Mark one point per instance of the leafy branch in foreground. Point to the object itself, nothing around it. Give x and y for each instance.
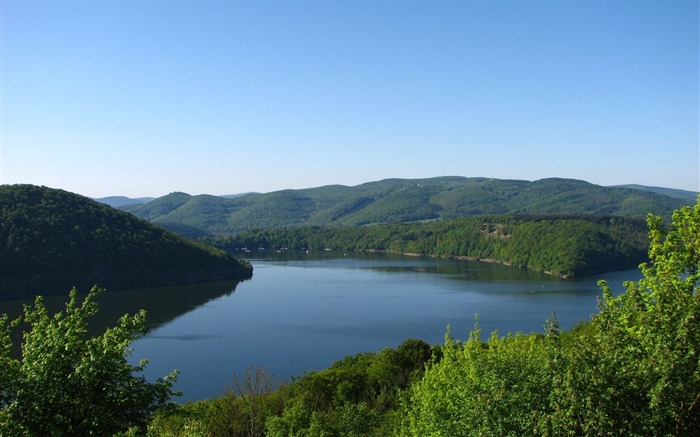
(68, 383)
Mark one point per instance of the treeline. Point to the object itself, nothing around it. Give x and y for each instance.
(53, 240)
(633, 369)
(561, 245)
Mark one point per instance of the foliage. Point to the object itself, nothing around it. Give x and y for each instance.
(241, 411)
(688, 196)
(650, 336)
(497, 387)
(561, 245)
(53, 240)
(398, 201)
(357, 396)
(634, 369)
(68, 383)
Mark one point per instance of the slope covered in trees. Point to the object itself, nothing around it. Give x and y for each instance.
(685, 195)
(53, 240)
(117, 201)
(559, 245)
(398, 200)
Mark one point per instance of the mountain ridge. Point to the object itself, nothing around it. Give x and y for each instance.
(398, 200)
(690, 196)
(116, 201)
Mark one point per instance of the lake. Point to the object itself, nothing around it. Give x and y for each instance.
(301, 312)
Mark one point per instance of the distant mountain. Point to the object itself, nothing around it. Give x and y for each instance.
(54, 240)
(233, 196)
(686, 196)
(399, 200)
(117, 201)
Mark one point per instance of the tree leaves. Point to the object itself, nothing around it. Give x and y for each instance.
(67, 383)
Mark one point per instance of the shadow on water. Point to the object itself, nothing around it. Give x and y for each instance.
(162, 304)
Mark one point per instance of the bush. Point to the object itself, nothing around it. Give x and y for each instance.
(68, 383)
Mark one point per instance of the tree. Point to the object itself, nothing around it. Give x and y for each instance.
(252, 394)
(68, 383)
(482, 388)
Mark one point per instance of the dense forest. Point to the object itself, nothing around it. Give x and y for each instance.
(53, 240)
(633, 369)
(560, 245)
(399, 201)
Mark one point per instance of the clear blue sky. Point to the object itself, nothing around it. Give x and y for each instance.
(142, 98)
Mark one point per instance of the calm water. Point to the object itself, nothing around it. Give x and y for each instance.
(303, 314)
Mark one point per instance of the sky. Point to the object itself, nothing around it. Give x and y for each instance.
(143, 98)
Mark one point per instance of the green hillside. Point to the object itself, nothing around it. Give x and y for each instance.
(685, 195)
(566, 246)
(53, 240)
(117, 201)
(398, 200)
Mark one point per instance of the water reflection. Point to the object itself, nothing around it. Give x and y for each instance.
(162, 304)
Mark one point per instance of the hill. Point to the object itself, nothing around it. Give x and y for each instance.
(117, 201)
(685, 195)
(560, 245)
(398, 200)
(54, 240)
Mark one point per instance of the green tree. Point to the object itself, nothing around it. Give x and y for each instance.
(68, 383)
(497, 387)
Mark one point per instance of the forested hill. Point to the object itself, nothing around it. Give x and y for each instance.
(53, 240)
(566, 246)
(398, 200)
(687, 196)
